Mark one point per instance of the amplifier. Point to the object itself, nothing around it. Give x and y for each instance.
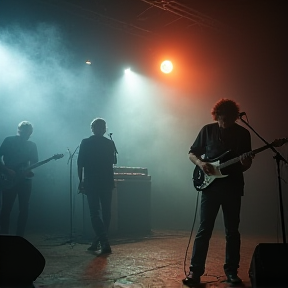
(131, 173)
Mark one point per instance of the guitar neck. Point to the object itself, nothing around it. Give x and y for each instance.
(237, 159)
(35, 165)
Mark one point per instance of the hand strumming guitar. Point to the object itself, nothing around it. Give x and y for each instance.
(206, 167)
(10, 172)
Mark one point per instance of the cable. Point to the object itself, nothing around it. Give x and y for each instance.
(192, 228)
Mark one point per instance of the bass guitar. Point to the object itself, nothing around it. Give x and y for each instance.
(7, 181)
(201, 180)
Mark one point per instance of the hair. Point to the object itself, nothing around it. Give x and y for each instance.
(25, 125)
(99, 125)
(225, 107)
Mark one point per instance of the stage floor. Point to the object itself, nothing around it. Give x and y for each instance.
(155, 260)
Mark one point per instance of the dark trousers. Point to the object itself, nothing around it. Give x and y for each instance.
(99, 202)
(23, 191)
(211, 200)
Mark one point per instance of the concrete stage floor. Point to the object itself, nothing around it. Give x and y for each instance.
(155, 260)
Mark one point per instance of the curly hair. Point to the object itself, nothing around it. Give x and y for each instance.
(225, 107)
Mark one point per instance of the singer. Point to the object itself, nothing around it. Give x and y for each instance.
(212, 141)
(95, 161)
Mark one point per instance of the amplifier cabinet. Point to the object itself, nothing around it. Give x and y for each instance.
(134, 206)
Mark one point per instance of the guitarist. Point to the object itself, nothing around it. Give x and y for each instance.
(212, 141)
(16, 153)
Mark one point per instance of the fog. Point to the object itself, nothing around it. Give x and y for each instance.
(154, 121)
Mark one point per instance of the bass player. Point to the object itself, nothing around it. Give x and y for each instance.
(16, 153)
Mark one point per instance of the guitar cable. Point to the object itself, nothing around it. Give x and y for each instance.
(192, 228)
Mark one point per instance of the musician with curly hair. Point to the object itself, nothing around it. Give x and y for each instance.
(214, 140)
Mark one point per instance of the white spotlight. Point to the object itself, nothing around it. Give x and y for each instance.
(127, 71)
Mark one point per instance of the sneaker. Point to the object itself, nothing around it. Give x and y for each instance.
(233, 279)
(192, 279)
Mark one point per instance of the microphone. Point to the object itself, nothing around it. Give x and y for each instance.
(242, 114)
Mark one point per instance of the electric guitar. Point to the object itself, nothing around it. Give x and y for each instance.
(7, 181)
(201, 180)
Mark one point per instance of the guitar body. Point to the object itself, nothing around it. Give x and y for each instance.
(201, 180)
(7, 182)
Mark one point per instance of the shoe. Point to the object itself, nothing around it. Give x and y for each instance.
(233, 279)
(192, 279)
(105, 249)
(95, 246)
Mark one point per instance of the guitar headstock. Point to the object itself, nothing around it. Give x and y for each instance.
(279, 142)
(57, 156)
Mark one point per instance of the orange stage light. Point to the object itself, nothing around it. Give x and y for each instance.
(166, 66)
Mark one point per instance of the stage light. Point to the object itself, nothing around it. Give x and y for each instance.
(127, 71)
(88, 62)
(166, 66)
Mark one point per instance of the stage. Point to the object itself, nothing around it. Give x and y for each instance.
(153, 260)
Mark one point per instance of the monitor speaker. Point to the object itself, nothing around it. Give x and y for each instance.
(269, 265)
(20, 262)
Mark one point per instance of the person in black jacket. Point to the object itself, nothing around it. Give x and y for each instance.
(95, 171)
(16, 154)
(212, 141)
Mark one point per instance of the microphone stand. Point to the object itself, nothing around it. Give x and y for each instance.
(71, 155)
(278, 157)
(115, 149)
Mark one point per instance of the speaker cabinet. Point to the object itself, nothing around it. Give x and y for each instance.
(269, 265)
(20, 262)
(134, 202)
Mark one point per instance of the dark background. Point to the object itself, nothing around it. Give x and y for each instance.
(220, 49)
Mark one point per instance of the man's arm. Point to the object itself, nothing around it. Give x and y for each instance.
(5, 169)
(80, 168)
(205, 166)
(195, 159)
(2, 166)
(80, 173)
(81, 188)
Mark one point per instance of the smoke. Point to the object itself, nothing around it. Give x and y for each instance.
(40, 79)
(44, 79)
